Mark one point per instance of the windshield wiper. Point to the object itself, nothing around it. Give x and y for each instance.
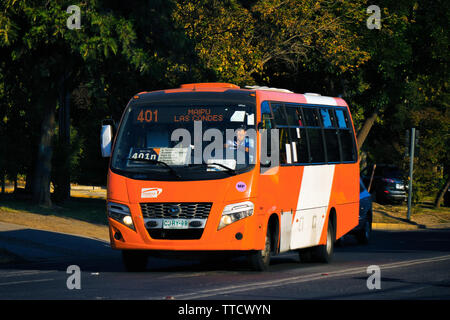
(153, 161)
(228, 169)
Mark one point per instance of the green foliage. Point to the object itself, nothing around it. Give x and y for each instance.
(399, 71)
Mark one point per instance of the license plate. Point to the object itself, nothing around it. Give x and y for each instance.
(399, 186)
(175, 224)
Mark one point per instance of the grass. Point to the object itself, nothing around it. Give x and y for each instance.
(80, 216)
(422, 213)
(83, 209)
(87, 216)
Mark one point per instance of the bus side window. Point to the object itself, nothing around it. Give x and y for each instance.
(267, 124)
(346, 136)
(293, 118)
(331, 135)
(311, 117)
(299, 145)
(279, 115)
(266, 116)
(341, 119)
(316, 147)
(280, 119)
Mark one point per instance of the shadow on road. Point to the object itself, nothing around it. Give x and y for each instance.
(38, 249)
(44, 250)
(396, 241)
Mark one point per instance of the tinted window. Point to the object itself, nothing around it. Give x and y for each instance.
(285, 148)
(278, 114)
(332, 144)
(293, 115)
(347, 145)
(341, 119)
(326, 118)
(311, 117)
(265, 109)
(328, 136)
(316, 145)
(266, 116)
(299, 145)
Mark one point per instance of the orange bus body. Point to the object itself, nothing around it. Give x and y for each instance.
(302, 198)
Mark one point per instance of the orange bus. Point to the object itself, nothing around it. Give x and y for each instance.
(299, 192)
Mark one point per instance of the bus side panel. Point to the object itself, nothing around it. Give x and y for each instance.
(278, 192)
(312, 206)
(345, 198)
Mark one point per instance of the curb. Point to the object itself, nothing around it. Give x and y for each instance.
(395, 226)
(87, 188)
(401, 226)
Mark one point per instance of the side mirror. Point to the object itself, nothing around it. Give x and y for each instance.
(106, 140)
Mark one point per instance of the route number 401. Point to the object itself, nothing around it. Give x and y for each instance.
(148, 116)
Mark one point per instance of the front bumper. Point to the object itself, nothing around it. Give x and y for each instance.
(246, 234)
(395, 195)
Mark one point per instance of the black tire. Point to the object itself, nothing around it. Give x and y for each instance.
(324, 253)
(306, 254)
(260, 259)
(134, 260)
(363, 236)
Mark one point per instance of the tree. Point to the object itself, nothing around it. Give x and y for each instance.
(31, 30)
(238, 39)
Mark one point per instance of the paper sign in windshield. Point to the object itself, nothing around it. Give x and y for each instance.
(174, 156)
(238, 116)
(144, 154)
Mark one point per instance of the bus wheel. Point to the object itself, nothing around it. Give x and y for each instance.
(324, 253)
(305, 254)
(260, 259)
(134, 260)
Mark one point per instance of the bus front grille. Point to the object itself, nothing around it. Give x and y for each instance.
(176, 210)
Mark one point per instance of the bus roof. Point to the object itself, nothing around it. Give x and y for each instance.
(264, 93)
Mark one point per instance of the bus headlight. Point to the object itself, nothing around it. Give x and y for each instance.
(234, 212)
(120, 213)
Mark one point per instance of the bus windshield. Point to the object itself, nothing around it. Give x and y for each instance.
(185, 142)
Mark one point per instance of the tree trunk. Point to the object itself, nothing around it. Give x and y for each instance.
(41, 176)
(440, 195)
(32, 167)
(62, 178)
(364, 132)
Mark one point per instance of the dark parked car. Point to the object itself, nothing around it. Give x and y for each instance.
(387, 185)
(364, 229)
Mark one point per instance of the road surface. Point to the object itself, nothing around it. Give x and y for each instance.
(412, 265)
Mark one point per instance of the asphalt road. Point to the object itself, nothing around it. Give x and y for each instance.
(412, 265)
